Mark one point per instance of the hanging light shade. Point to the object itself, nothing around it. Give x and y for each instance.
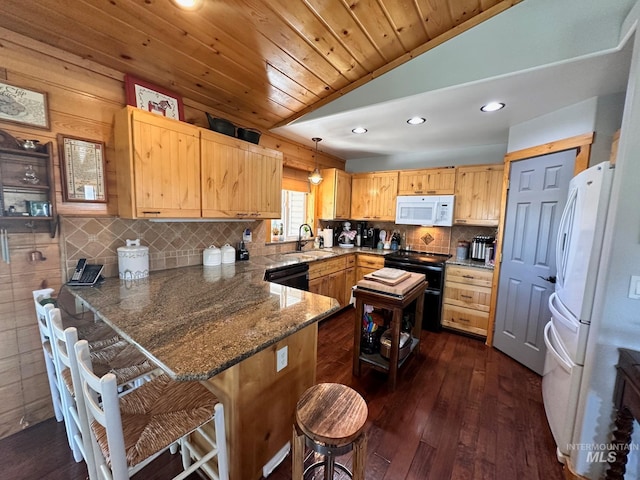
(315, 178)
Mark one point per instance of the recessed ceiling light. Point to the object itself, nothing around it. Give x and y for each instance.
(188, 4)
(416, 120)
(359, 130)
(492, 107)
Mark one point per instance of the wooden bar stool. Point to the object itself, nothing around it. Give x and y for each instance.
(330, 420)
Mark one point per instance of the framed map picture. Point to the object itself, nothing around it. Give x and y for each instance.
(152, 98)
(83, 170)
(24, 106)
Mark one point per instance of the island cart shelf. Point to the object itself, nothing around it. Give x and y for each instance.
(396, 304)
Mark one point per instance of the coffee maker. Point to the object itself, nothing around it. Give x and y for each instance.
(371, 239)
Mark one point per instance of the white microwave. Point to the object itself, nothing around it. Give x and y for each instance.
(430, 210)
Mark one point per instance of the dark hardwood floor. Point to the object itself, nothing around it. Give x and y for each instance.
(460, 411)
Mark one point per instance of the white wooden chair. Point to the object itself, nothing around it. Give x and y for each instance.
(75, 415)
(45, 334)
(129, 431)
(130, 367)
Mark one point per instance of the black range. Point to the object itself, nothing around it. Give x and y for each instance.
(432, 266)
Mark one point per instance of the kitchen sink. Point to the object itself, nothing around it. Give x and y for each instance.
(309, 255)
(319, 253)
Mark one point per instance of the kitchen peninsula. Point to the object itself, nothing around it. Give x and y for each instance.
(223, 325)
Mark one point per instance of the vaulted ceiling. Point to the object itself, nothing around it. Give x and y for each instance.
(260, 63)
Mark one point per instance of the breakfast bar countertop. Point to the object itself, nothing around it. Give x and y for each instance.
(195, 322)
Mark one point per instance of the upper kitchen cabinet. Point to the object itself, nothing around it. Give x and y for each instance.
(478, 195)
(432, 181)
(373, 196)
(157, 166)
(26, 186)
(334, 195)
(239, 179)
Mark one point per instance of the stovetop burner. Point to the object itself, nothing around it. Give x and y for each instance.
(416, 257)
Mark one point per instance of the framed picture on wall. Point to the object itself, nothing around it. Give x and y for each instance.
(153, 98)
(83, 170)
(23, 106)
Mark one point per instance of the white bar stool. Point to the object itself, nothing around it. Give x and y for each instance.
(39, 299)
(128, 432)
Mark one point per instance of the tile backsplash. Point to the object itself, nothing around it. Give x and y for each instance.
(179, 244)
(426, 239)
(171, 244)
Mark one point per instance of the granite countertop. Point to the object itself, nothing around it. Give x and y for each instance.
(310, 255)
(469, 263)
(195, 322)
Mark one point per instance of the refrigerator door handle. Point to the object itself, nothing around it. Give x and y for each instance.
(561, 253)
(560, 312)
(560, 356)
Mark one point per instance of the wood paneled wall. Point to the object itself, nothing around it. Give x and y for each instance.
(83, 98)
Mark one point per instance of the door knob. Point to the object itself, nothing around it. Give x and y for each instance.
(551, 279)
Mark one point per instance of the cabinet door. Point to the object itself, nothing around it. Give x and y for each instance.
(334, 195)
(432, 181)
(335, 287)
(361, 197)
(343, 195)
(166, 167)
(239, 180)
(385, 190)
(478, 195)
(349, 282)
(265, 183)
(373, 196)
(331, 285)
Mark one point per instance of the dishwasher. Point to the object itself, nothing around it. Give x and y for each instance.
(296, 276)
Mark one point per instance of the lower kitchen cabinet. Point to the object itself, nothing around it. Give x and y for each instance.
(329, 278)
(366, 263)
(467, 295)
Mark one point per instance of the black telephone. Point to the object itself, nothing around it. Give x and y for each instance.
(85, 274)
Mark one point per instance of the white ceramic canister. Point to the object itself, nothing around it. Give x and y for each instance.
(228, 253)
(211, 256)
(133, 260)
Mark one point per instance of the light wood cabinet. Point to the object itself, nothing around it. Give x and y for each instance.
(328, 277)
(157, 166)
(478, 195)
(239, 179)
(366, 263)
(373, 196)
(334, 195)
(432, 181)
(171, 169)
(466, 301)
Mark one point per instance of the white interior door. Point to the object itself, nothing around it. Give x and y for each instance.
(537, 193)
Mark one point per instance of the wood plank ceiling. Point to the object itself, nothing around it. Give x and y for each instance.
(261, 63)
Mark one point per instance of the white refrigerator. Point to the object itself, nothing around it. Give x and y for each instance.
(578, 254)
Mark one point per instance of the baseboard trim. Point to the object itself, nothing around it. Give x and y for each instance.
(569, 473)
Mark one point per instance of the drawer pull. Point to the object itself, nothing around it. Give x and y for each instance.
(468, 276)
(464, 320)
(466, 296)
(147, 212)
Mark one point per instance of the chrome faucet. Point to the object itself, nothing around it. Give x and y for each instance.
(301, 243)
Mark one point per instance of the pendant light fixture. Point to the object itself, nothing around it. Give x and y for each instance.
(315, 178)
